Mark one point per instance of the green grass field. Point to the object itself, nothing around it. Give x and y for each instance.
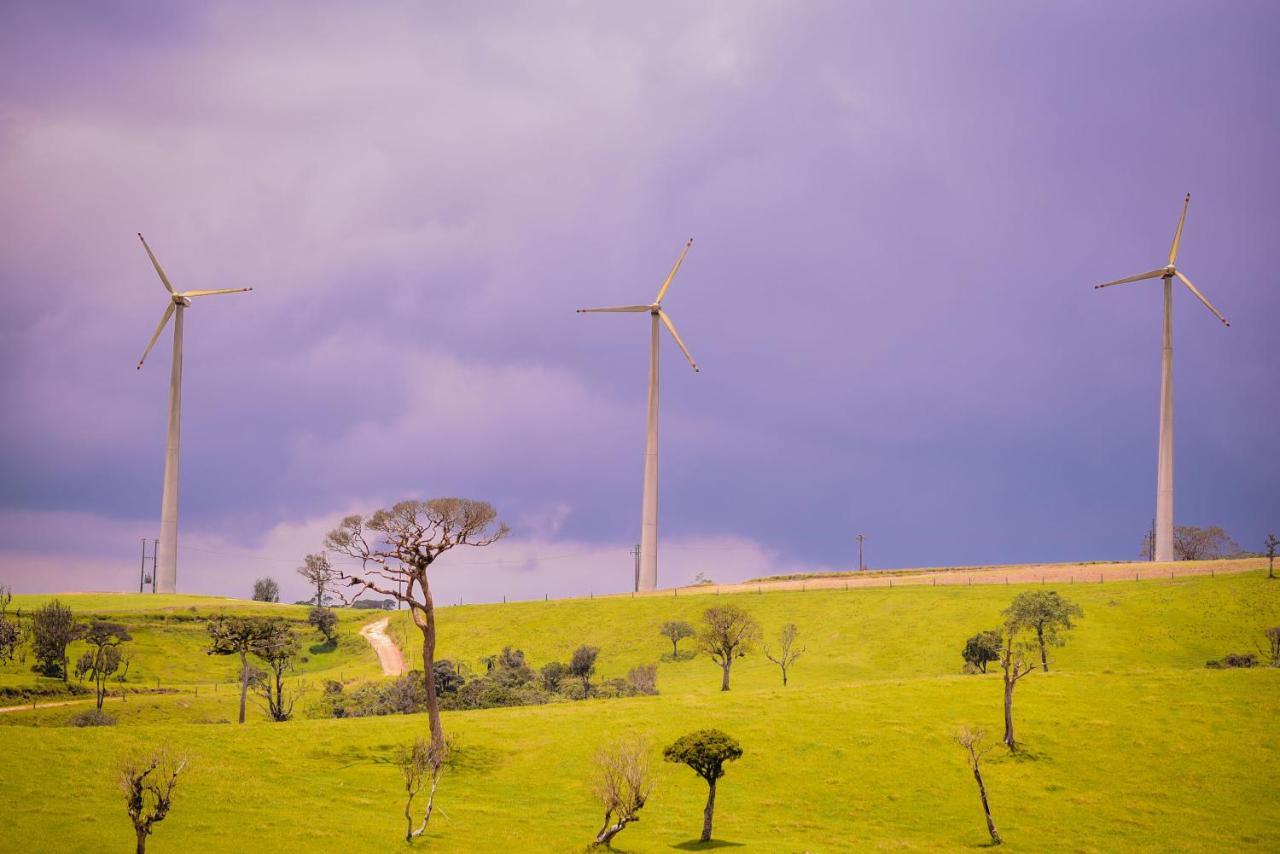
(1131, 744)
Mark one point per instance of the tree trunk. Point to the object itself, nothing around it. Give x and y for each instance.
(244, 682)
(675, 650)
(784, 677)
(1044, 658)
(142, 840)
(724, 683)
(428, 627)
(608, 830)
(706, 813)
(986, 810)
(1008, 712)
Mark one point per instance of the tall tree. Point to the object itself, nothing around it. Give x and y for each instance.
(1045, 613)
(396, 547)
(106, 640)
(53, 628)
(1014, 646)
(728, 633)
(1271, 544)
(321, 575)
(230, 635)
(973, 742)
(787, 650)
(676, 631)
(148, 783)
(705, 751)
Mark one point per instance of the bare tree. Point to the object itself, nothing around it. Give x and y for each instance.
(266, 590)
(420, 763)
(148, 782)
(1015, 666)
(276, 645)
(973, 743)
(622, 784)
(1193, 543)
(728, 633)
(396, 548)
(1047, 614)
(1272, 651)
(787, 650)
(321, 575)
(1271, 544)
(104, 658)
(676, 631)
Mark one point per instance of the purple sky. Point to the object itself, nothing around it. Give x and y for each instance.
(898, 211)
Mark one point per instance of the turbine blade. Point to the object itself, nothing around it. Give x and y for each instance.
(1154, 274)
(163, 278)
(218, 291)
(1177, 235)
(617, 308)
(671, 327)
(1202, 298)
(164, 318)
(662, 291)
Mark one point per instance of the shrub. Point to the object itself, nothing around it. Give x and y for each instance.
(92, 717)
(1234, 659)
(643, 679)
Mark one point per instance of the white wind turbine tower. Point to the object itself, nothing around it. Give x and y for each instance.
(648, 579)
(1164, 456)
(167, 551)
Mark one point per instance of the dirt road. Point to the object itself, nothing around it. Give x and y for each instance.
(389, 655)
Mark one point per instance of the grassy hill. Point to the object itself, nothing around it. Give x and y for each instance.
(1131, 743)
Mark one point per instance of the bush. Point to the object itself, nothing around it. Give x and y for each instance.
(1234, 659)
(643, 679)
(92, 717)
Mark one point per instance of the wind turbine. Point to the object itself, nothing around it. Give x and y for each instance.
(648, 576)
(167, 550)
(1164, 455)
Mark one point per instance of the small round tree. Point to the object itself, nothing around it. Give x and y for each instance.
(705, 751)
(980, 650)
(676, 631)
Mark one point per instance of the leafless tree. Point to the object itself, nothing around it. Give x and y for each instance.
(421, 763)
(266, 590)
(1014, 663)
(321, 575)
(728, 633)
(973, 743)
(787, 650)
(622, 784)
(1193, 543)
(148, 782)
(396, 548)
(1271, 653)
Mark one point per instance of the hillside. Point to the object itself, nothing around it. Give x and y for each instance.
(1131, 743)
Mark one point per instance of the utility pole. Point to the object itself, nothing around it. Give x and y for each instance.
(1151, 543)
(861, 564)
(636, 552)
(142, 570)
